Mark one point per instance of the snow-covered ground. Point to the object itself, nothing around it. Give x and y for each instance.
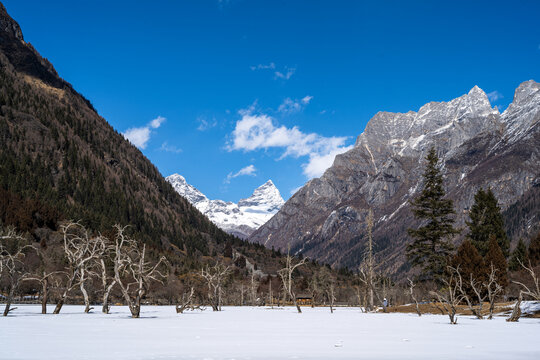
(260, 333)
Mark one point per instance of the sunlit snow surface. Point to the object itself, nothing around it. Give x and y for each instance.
(260, 333)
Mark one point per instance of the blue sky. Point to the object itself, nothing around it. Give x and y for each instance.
(233, 93)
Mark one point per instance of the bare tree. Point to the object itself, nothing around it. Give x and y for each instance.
(493, 289)
(215, 278)
(478, 289)
(270, 293)
(362, 290)
(369, 259)
(81, 251)
(313, 289)
(44, 279)
(106, 276)
(253, 289)
(286, 277)
(133, 272)
(413, 296)
(331, 294)
(13, 248)
(450, 296)
(532, 291)
(325, 283)
(186, 303)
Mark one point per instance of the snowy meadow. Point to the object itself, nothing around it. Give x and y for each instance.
(260, 333)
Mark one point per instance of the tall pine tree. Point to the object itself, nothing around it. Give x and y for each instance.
(495, 257)
(486, 219)
(471, 265)
(534, 251)
(519, 256)
(431, 245)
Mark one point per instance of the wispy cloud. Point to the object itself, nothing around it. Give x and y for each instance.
(270, 66)
(260, 131)
(170, 148)
(249, 170)
(494, 96)
(289, 106)
(285, 74)
(205, 124)
(139, 136)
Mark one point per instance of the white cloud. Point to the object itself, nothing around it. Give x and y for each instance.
(156, 123)
(249, 170)
(306, 99)
(270, 66)
(494, 96)
(285, 74)
(290, 106)
(206, 124)
(259, 131)
(170, 148)
(140, 136)
(318, 163)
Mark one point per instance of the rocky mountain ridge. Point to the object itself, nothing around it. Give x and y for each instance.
(478, 147)
(240, 219)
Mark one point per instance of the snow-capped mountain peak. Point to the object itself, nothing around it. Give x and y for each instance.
(266, 198)
(240, 219)
(188, 191)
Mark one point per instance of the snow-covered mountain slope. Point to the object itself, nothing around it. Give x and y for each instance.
(240, 219)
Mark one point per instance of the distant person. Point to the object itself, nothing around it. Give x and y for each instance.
(385, 304)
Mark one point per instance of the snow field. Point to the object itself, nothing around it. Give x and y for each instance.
(260, 333)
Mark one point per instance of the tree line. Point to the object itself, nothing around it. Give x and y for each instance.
(478, 270)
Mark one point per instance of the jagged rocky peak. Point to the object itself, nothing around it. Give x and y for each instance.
(449, 123)
(238, 219)
(265, 198)
(188, 191)
(525, 92)
(524, 111)
(8, 25)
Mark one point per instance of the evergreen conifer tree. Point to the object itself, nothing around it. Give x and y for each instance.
(534, 251)
(431, 245)
(486, 219)
(519, 254)
(471, 264)
(496, 257)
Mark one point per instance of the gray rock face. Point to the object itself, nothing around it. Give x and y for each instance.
(8, 25)
(478, 147)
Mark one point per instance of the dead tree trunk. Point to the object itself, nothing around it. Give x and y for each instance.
(411, 292)
(106, 308)
(69, 286)
(516, 311)
(9, 301)
(450, 296)
(493, 290)
(87, 307)
(286, 278)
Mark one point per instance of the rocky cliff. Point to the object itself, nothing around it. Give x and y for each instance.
(478, 147)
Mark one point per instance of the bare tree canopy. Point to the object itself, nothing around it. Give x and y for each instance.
(13, 248)
(133, 271)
